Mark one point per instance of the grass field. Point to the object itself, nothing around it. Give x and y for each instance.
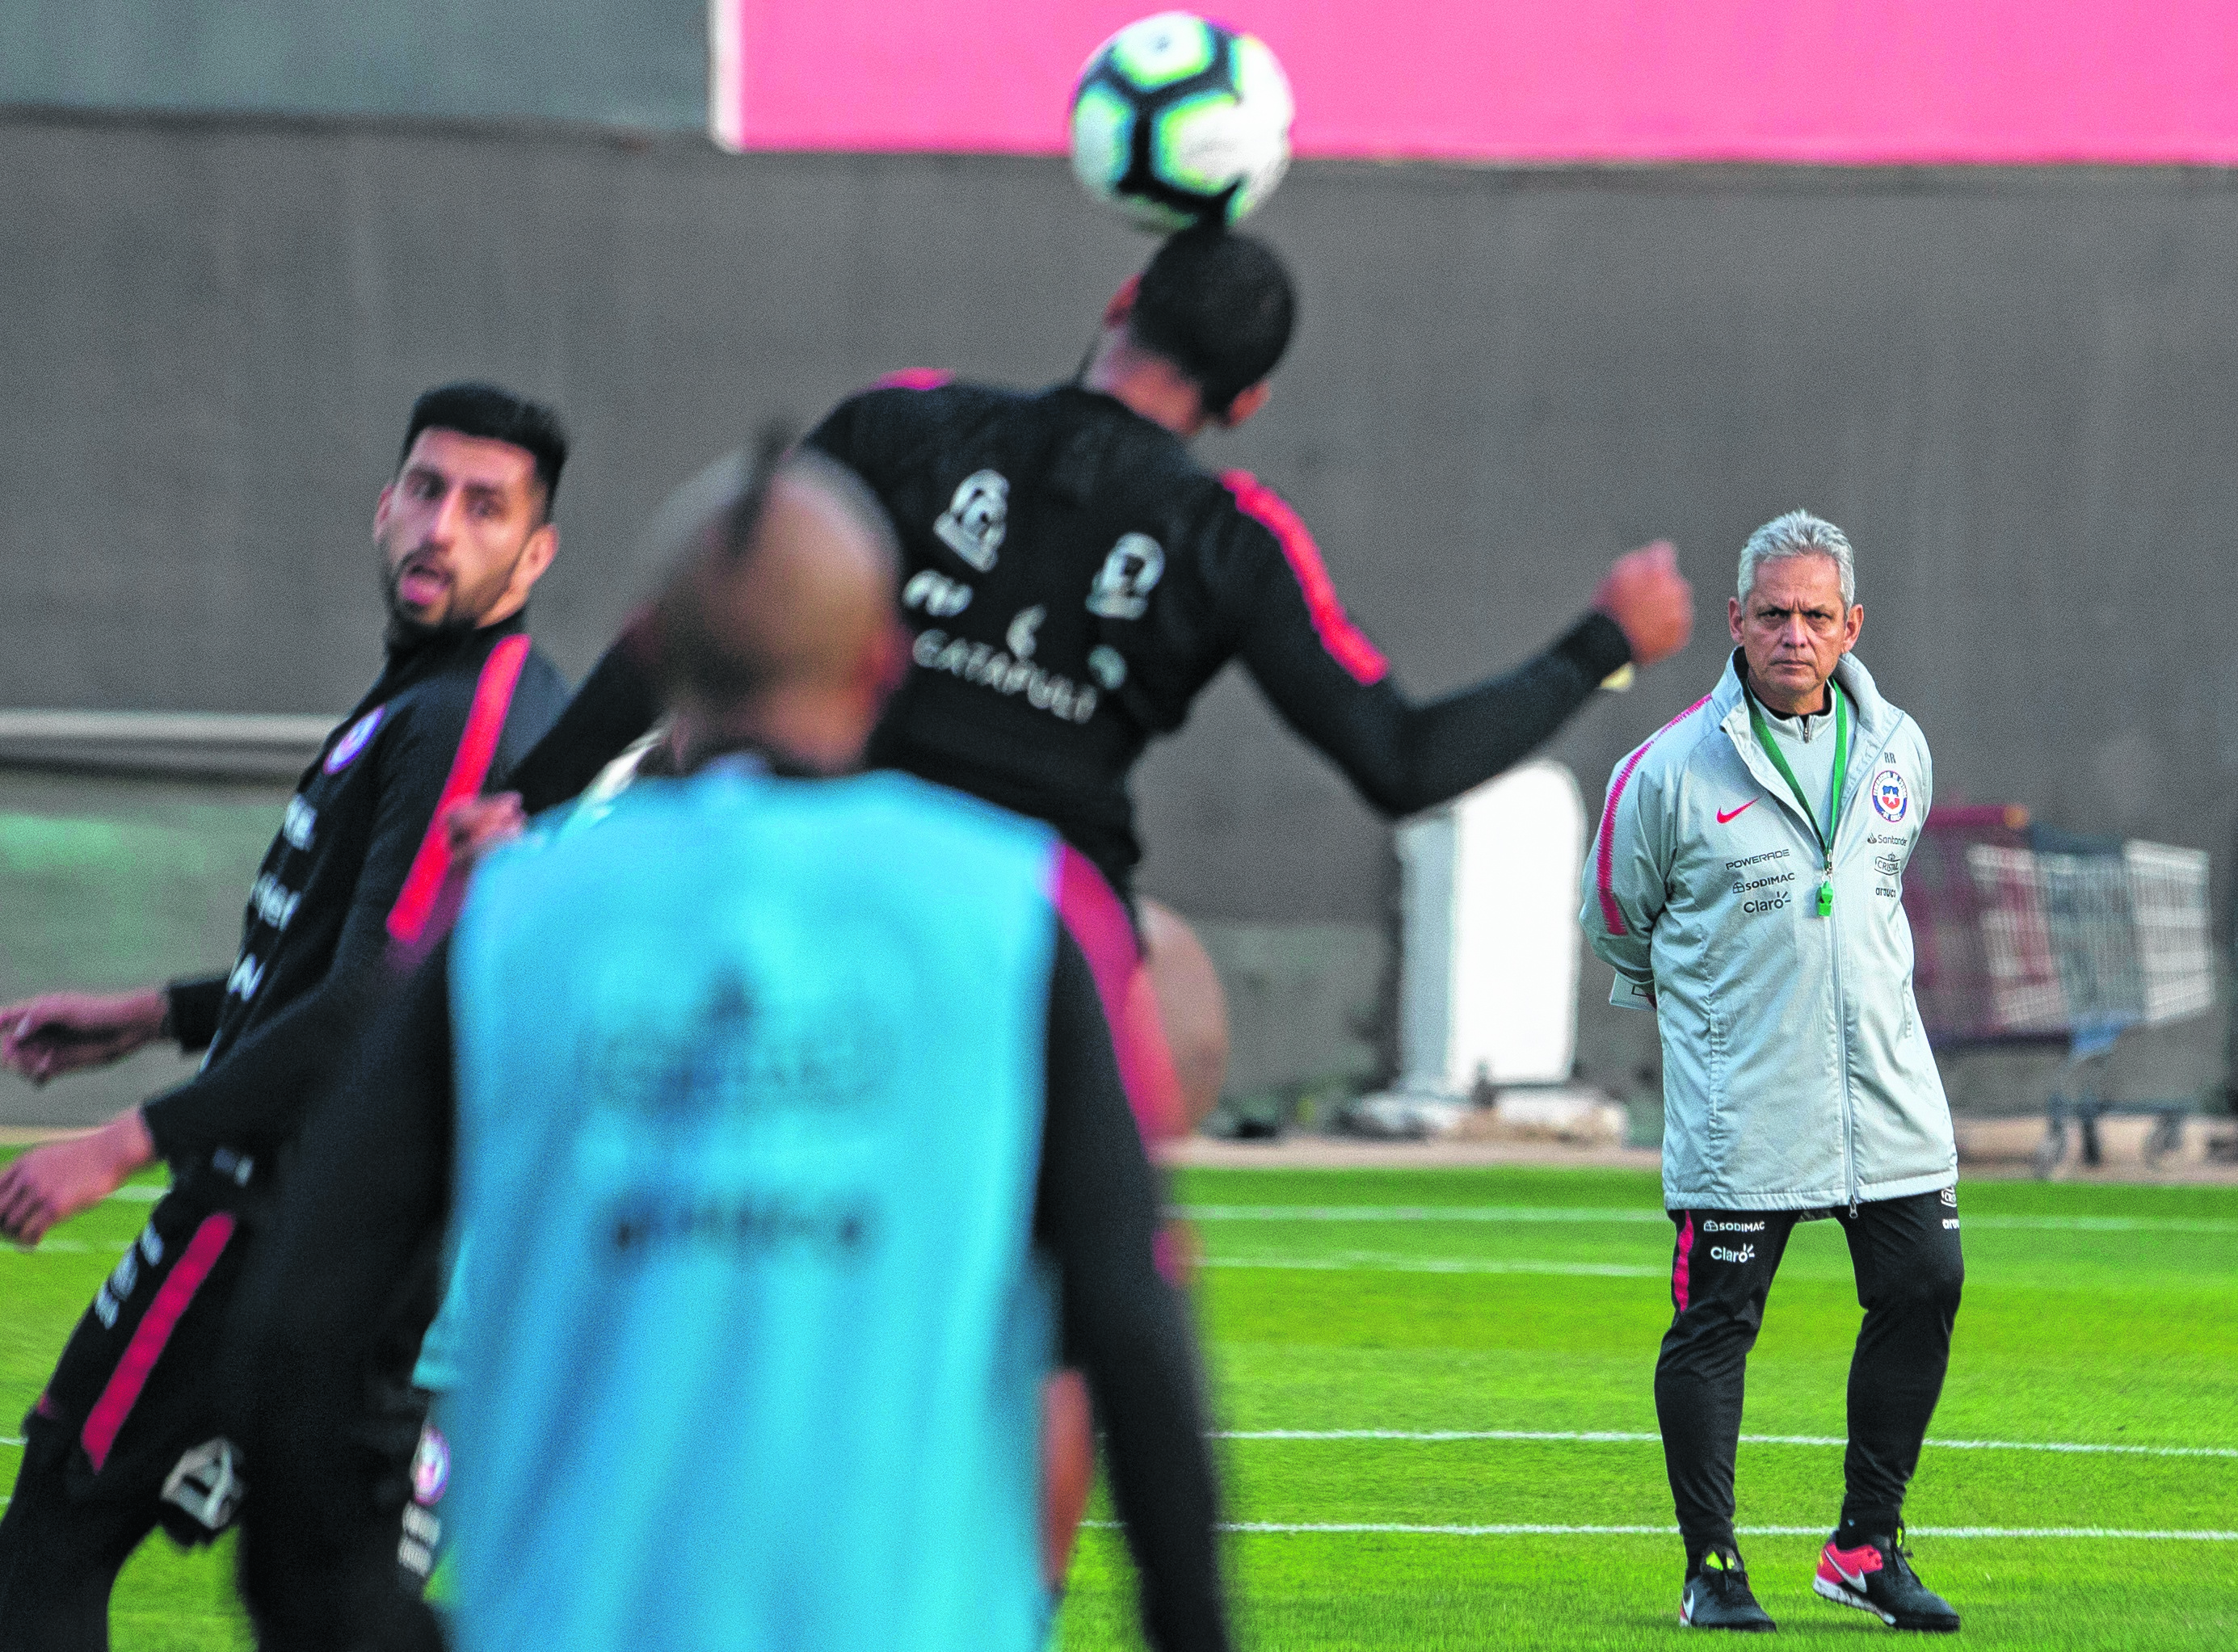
(1348, 1312)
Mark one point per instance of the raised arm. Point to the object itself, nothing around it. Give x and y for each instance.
(1331, 683)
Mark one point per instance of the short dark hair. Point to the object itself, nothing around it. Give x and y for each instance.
(1220, 307)
(495, 415)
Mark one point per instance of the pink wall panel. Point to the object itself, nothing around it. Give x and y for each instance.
(1841, 80)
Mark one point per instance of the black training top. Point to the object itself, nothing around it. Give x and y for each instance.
(371, 1194)
(1073, 578)
(358, 863)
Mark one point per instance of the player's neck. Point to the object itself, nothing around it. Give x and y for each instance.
(1809, 703)
(803, 730)
(1147, 384)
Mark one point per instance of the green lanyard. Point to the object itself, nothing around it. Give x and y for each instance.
(1834, 797)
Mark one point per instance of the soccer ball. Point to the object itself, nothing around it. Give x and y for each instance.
(1177, 121)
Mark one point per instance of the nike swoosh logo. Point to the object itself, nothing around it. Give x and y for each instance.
(1724, 818)
(1855, 1579)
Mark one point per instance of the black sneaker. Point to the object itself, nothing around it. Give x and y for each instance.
(1716, 1597)
(1877, 1577)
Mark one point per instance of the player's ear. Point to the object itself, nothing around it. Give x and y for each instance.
(1247, 402)
(380, 508)
(538, 553)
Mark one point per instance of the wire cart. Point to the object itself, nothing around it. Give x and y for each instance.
(2028, 936)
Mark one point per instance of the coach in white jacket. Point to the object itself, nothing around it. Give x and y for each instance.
(1746, 883)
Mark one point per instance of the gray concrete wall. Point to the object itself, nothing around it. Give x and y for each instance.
(2015, 389)
(108, 885)
(637, 64)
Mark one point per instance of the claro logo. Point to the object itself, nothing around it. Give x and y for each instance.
(1720, 1253)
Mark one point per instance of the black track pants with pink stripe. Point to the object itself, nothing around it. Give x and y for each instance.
(131, 1396)
(1910, 1271)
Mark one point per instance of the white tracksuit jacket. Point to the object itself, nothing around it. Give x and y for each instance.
(1796, 1074)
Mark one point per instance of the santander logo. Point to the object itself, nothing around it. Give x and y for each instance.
(1725, 817)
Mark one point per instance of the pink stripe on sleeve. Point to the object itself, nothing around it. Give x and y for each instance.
(1682, 1264)
(1346, 643)
(1605, 856)
(914, 378)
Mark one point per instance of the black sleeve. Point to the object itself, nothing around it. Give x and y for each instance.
(363, 1207)
(256, 1094)
(834, 435)
(617, 704)
(193, 1007)
(1328, 682)
(1097, 1214)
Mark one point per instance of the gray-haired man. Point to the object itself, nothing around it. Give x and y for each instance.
(1746, 884)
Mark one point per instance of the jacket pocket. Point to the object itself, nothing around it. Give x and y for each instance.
(1716, 1069)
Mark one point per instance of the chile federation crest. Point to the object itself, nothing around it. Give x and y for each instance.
(1891, 798)
(360, 736)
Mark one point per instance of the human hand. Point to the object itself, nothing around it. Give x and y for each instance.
(1649, 600)
(59, 1033)
(53, 1182)
(474, 826)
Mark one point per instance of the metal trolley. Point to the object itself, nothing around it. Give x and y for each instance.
(2025, 935)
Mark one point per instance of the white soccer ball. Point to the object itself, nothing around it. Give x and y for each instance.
(1177, 121)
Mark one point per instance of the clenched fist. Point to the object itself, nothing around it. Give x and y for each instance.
(1649, 600)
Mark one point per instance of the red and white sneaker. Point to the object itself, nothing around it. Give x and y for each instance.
(1877, 1577)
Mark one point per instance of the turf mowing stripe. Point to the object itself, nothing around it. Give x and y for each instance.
(1551, 1213)
(1522, 1530)
(1370, 1262)
(1614, 1437)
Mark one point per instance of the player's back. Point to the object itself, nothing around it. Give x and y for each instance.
(1071, 576)
(749, 1099)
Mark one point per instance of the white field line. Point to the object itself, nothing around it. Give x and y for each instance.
(70, 1247)
(1377, 1262)
(1412, 1213)
(1551, 1213)
(1534, 1530)
(139, 1195)
(1612, 1437)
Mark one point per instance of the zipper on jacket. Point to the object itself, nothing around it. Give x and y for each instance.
(1842, 1009)
(1834, 946)
(1842, 1049)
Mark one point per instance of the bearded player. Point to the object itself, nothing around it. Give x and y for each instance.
(130, 1432)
